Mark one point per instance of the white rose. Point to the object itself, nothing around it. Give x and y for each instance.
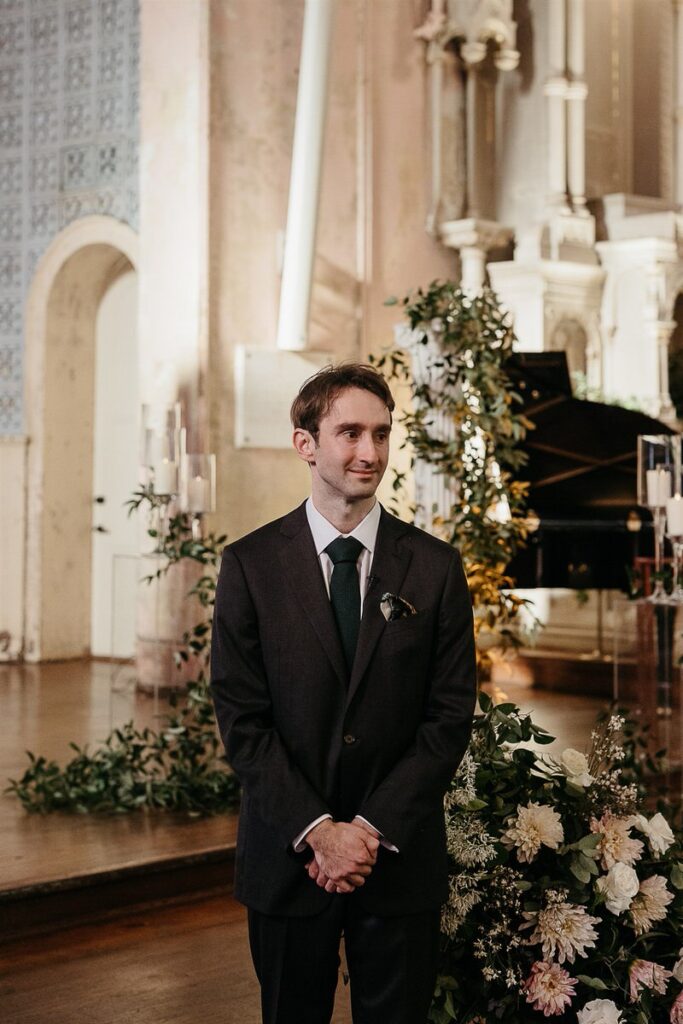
(678, 967)
(658, 835)
(574, 764)
(600, 1011)
(618, 886)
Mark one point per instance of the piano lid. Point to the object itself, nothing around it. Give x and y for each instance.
(582, 455)
(582, 471)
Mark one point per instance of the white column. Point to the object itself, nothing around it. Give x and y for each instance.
(555, 90)
(662, 331)
(304, 188)
(435, 59)
(473, 269)
(576, 105)
(678, 103)
(472, 55)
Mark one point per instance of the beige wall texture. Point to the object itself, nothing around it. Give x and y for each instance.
(373, 205)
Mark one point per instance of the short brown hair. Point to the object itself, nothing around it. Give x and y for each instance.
(317, 394)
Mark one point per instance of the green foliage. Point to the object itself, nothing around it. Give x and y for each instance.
(180, 767)
(467, 342)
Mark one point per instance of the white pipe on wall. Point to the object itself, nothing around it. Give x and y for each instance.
(304, 188)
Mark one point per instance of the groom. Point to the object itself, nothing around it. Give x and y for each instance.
(343, 676)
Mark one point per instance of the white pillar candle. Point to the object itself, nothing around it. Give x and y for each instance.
(165, 477)
(658, 487)
(674, 516)
(197, 494)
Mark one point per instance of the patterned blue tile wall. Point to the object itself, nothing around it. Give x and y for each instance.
(69, 88)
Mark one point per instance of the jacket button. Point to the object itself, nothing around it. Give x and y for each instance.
(349, 739)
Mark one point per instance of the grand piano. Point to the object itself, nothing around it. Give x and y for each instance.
(582, 470)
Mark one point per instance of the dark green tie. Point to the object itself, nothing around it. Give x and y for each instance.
(345, 592)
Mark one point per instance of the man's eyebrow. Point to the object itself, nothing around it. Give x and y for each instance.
(360, 426)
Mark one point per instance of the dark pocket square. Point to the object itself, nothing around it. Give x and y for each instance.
(394, 607)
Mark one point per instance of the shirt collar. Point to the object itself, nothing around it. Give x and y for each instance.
(324, 532)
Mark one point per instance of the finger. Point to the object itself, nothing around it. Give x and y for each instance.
(339, 886)
(313, 870)
(355, 880)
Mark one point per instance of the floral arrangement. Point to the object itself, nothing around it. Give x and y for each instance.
(566, 899)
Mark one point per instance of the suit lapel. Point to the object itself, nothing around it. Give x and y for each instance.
(303, 574)
(389, 567)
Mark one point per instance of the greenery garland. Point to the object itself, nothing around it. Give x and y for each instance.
(468, 340)
(180, 767)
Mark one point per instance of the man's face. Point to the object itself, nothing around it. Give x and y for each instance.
(352, 448)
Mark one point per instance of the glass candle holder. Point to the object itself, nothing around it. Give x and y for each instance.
(659, 461)
(197, 484)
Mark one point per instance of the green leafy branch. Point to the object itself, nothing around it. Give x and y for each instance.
(467, 343)
(180, 766)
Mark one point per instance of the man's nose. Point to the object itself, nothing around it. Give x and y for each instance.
(366, 450)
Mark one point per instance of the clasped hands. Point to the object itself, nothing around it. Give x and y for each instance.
(344, 854)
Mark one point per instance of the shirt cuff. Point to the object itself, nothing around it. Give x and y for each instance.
(299, 844)
(383, 842)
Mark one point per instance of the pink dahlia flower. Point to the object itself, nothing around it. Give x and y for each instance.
(549, 988)
(646, 974)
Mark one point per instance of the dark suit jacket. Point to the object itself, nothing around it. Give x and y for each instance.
(305, 740)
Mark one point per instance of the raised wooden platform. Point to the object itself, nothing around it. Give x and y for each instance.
(58, 870)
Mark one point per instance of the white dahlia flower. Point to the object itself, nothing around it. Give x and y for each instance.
(649, 904)
(563, 930)
(536, 825)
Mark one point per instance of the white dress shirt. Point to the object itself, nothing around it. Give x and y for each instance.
(323, 534)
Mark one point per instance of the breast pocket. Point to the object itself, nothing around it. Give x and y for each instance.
(406, 632)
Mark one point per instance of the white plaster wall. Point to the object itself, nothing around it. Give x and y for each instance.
(115, 566)
(12, 545)
(374, 202)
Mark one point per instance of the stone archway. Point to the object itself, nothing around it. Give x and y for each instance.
(569, 336)
(70, 280)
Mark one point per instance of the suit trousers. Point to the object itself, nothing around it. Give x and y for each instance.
(392, 964)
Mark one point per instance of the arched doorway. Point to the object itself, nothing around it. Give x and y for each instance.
(570, 337)
(73, 276)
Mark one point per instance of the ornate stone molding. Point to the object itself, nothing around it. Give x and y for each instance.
(474, 240)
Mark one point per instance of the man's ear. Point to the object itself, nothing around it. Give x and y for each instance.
(304, 444)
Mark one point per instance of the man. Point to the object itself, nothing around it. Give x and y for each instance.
(343, 675)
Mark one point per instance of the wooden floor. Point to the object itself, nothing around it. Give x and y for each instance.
(43, 709)
(174, 965)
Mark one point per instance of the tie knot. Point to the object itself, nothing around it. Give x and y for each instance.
(344, 549)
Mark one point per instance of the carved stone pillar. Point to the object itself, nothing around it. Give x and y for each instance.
(474, 240)
(576, 94)
(555, 90)
(472, 55)
(661, 331)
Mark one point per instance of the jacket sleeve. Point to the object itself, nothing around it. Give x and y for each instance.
(397, 807)
(278, 791)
